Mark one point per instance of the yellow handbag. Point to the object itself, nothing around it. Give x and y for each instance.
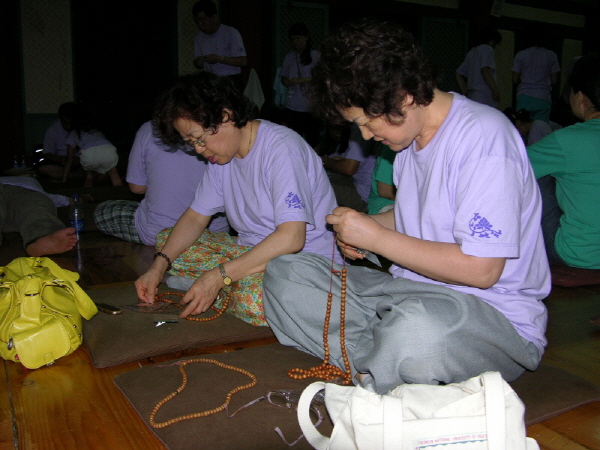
(41, 306)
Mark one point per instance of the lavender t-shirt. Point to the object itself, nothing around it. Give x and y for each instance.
(171, 179)
(226, 41)
(281, 180)
(361, 151)
(536, 66)
(55, 139)
(292, 68)
(473, 185)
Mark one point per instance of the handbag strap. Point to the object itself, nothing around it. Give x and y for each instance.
(495, 410)
(312, 435)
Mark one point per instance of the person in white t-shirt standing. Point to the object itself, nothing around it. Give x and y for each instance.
(218, 48)
(476, 76)
(535, 73)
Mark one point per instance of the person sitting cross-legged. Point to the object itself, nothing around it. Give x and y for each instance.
(469, 272)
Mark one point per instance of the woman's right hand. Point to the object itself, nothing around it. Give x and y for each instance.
(146, 286)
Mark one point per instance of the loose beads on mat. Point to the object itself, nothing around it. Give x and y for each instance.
(184, 381)
(196, 319)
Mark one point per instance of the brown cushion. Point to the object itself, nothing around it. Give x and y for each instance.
(566, 276)
(550, 391)
(546, 393)
(116, 339)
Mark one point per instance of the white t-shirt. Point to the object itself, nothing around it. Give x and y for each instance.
(226, 41)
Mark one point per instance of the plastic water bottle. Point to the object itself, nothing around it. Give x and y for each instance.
(76, 213)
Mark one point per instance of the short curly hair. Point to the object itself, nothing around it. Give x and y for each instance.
(372, 65)
(202, 98)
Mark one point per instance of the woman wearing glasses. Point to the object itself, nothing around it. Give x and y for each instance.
(264, 177)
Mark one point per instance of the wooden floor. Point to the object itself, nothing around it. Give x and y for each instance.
(72, 405)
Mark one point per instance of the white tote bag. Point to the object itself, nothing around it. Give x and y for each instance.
(482, 413)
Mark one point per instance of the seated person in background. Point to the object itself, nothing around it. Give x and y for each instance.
(334, 140)
(54, 153)
(351, 172)
(168, 176)
(383, 191)
(567, 165)
(469, 270)
(26, 208)
(96, 154)
(530, 130)
(264, 177)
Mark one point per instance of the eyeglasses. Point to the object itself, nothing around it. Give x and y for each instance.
(286, 398)
(201, 142)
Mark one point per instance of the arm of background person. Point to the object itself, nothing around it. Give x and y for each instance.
(68, 163)
(237, 61)
(486, 73)
(386, 190)
(344, 166)
(516, 78)
(462, 83)
(136, 188)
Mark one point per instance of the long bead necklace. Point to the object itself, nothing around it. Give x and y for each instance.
(182, 365)
(326, 370)
(196, 319)
(184, 381)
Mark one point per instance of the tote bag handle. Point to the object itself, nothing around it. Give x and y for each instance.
(312, 435)
(495, 410)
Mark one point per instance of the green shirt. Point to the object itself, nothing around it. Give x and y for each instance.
(572, 156)
(383, 172)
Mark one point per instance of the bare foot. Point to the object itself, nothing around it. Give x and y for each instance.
(58, 242)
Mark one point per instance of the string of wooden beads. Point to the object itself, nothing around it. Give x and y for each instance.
(184, 381)
(195, 319)
(328, 371)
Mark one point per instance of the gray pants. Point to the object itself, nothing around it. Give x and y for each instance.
(397, 331)
(29, 212)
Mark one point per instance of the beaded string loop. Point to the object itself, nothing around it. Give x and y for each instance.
(328, 371)
(184, 381)
(195, 319)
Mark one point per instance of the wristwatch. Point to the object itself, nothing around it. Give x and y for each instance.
(226, 279)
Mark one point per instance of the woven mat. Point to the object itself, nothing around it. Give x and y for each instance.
(130, 336)
(253, 428)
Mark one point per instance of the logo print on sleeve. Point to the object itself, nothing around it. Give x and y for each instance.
(482, 227)
(293, 201)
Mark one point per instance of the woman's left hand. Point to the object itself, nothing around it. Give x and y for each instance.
(203, 293)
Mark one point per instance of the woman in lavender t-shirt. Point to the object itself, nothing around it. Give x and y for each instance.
(268, 181)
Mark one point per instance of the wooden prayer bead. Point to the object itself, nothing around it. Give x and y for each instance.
(208, 412)
(328, 371)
